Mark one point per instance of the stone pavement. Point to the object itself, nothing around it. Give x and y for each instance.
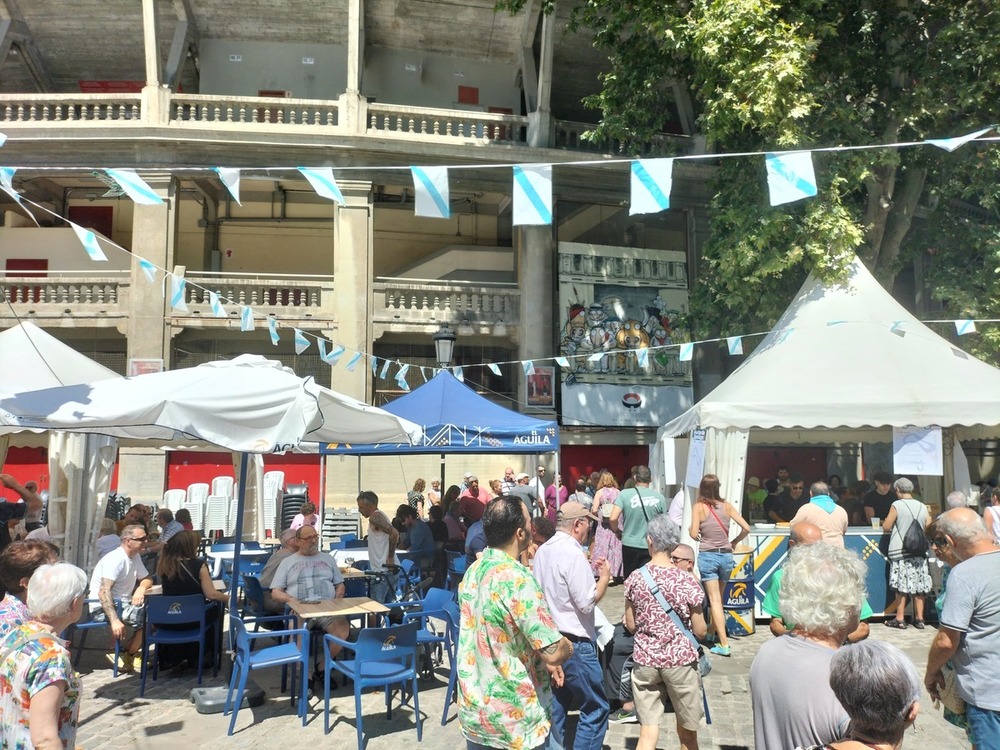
(113, 715)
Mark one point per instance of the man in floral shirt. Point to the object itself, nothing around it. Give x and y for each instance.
(508, 644)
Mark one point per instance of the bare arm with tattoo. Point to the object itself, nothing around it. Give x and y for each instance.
(108, 605)
(556, 653)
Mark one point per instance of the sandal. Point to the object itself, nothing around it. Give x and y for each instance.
(918, 624)
(898, 624)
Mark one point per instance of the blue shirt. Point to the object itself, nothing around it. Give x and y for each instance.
(422, 543)
(475, 541)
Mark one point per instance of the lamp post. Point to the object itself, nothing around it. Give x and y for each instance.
(444, 345)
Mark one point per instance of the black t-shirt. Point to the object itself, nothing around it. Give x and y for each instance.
(787, 507)
(773, 502)
(187, 580)
(439, 530)
(880, 503)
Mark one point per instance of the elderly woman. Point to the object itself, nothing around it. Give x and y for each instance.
(878, 686)
(39, 692)
(908, 574)
(666, 662)
(793, 705)
(18, 561)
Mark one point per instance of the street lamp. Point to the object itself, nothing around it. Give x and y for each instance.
(444, 345)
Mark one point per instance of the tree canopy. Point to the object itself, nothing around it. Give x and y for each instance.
(807, 74)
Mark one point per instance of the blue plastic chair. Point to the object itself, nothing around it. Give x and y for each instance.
(345, 538)
(285, 654)
(383, 657)
(90, 624)
(454, 621)
(457, 566)
(175, 610)
(253, 606)
(431, 607)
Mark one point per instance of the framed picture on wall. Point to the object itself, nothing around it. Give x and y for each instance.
(144, 366)
(540, 388)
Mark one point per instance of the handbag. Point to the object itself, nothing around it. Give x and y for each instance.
(950, 698)
(704, 663)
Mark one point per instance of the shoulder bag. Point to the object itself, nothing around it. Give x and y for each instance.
(950, 698)
(704, 664)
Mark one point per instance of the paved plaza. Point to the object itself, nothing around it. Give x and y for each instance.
(113, 715)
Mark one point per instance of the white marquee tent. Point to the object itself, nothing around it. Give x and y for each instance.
(845, 362)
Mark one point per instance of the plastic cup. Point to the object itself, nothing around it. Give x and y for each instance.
(876, 523)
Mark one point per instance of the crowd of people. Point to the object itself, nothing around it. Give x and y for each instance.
(530, 645)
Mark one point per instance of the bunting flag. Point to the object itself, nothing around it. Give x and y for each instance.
(458, 373)
(149, 269)
(301, 342)
(735, 344)
(431, 193)
(532, 195)
(177, 285)
(324, 183)
(652, 180)
(231, 179)
(246, 319)
(272, 328)
(642, 358)
(965, 326)
(495, 369)
(7, 183)
(687, 351)
(401, 378)
(950, 144)
(423, 373)
(385, 369)
(785, 335)
(135, 187)
(374, 366)
(529, 367)
(897, 325)
(353, 362)
(89, 241)
(334, 356)
(3, 139)
(321, 345)
(216, 304)
(596, 357)
(562, 362)
(790, 177)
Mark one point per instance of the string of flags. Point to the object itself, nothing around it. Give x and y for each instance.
(790, 177)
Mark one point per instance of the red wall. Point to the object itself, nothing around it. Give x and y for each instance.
(188, 467)
(580, 460)
(27, 464)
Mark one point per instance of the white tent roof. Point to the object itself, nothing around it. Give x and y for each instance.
(849, 356)
(247, 404)
(30, 359)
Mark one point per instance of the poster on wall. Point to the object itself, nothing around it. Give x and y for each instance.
(144, 366)
(620, 310)
(540, 391)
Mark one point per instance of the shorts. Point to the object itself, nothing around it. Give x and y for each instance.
(650, 685)
(134, 618)
(713, 566)
(322, 623)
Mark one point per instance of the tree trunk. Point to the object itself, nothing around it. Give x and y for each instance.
(911, 187)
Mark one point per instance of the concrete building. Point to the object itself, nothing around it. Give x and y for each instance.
(175, 89)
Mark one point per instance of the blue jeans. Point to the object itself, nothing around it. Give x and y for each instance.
(984, 725)
(584, 685)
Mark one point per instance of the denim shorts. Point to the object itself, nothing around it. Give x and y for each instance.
(714, 566)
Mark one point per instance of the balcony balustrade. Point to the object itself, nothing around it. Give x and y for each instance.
(78, 296)
(285, 296)
(418, 304)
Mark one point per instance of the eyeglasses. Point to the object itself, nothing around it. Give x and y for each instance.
(137, 538)
(678, 560)
(312, 538)
(939, 541)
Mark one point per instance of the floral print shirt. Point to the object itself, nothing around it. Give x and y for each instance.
(658, 642)
(40, 660)
(503, 686)
(13, 613)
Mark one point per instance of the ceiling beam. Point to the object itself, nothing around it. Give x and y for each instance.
(14, 32)
(186, 40)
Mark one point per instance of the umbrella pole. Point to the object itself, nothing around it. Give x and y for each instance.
(443, 485)
(240, 506)
(558, 470)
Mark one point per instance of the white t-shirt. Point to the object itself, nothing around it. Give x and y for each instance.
(125, 571)
(378, 545)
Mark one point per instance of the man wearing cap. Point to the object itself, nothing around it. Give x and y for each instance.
(756, 495)
(525, 490)
(474, 500)
(571, 593)
(465, 482)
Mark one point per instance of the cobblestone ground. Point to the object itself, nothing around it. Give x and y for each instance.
(113, 715)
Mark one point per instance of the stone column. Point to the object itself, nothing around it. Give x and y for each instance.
(539, 305)
(352, 282)
(541, 125)
(142, 471)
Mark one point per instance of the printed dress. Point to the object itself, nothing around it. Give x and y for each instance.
(606, 542)
(38, 660)
(503, 687)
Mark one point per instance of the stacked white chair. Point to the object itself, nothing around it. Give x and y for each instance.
(197, 492)
(223, 486)
(274, 483)
(174, 499)
(234, 510)
(217, 514)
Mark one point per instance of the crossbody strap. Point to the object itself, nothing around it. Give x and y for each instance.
(642, 504)
(654, 589)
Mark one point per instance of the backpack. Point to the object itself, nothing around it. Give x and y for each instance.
(914, 542)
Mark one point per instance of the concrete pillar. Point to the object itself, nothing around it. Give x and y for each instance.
(536, 251)
(151, 43)
(352, 282)
(541, 125)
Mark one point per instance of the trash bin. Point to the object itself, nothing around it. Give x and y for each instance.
(738, 595)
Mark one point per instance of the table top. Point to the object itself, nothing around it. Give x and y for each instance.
(354, 605)
(350, 573)
(228, 554)
(271, 541)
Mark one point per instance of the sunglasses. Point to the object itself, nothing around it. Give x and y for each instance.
(676, 560)
(138, 538)
(939, 541)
